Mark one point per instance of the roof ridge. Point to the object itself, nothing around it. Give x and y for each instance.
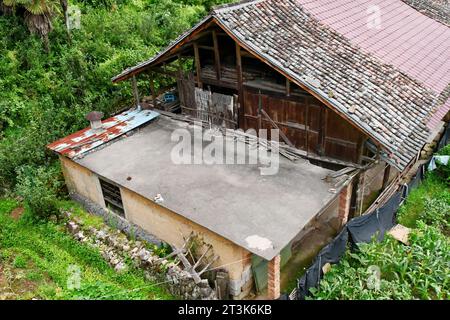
(232, 6)
(429, 10)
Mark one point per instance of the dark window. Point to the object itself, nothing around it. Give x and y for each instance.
(112, 196)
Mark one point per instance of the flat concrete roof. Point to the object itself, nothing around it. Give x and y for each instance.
(262, 214)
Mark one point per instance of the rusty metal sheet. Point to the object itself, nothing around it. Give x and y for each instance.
(77, 144)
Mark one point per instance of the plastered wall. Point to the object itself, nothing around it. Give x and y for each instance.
(163, 223)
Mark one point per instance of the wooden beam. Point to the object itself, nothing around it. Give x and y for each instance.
(170, 53)
(165, 72)
(198, 65)
(206, 48)
(216, 54)
(240, 85)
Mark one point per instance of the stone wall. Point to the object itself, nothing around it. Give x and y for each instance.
(114, 220)
(117, 248)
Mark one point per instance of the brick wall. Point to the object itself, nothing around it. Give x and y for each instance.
(273, 288)
(344, 203)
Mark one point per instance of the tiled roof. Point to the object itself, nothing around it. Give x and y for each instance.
(391, 82)
(438, 10)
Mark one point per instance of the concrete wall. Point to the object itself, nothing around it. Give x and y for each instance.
(82, 181)
(165, 225)
(319, 230)
(173, 228)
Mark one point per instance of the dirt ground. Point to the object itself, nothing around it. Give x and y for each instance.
(305, 253)
(13, 284)
(17, 213)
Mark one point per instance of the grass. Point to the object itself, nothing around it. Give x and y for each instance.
(40, 260)
(416, 203)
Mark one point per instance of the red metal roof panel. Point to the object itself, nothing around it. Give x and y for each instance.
(79, 143)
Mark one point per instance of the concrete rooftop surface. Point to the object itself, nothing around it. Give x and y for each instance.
(259, 213)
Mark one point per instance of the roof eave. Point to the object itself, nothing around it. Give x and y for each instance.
(130, 72)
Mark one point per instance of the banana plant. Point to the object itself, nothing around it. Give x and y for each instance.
(38, 14)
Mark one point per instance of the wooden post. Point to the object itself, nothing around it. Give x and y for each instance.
(135, 92)
(323, 129)
(288, 87)
(180, 80)
(152, 89)
(387, 174)
(198, 65)
(216, 55)
(259, 113)
(240, 86)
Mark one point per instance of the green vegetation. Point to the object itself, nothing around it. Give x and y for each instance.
(417, 271)
(38, 260)
(45, 94)
(430, 202)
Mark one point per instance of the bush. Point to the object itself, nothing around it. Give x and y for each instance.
(46, 96)
(39, 188)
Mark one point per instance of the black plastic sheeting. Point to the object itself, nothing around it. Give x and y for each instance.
(332, 253)
(361, 230)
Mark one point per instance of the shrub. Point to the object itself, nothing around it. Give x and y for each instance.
(39, 189)
(437, 212)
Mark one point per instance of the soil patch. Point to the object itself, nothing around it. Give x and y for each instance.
(17, 213)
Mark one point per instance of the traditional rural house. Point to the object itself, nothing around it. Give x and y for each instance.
(357, 88)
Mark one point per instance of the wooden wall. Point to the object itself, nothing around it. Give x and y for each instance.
(308, 124)
(225, 67)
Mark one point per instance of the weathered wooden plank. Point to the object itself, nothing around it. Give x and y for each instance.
(283, 136)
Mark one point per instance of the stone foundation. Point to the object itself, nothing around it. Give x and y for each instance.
(115, 221)
(116, 248)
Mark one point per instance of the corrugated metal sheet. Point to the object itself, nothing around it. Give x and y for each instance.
(79, 143)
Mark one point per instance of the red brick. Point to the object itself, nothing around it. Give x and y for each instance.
(344, 203)
(274, 278)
